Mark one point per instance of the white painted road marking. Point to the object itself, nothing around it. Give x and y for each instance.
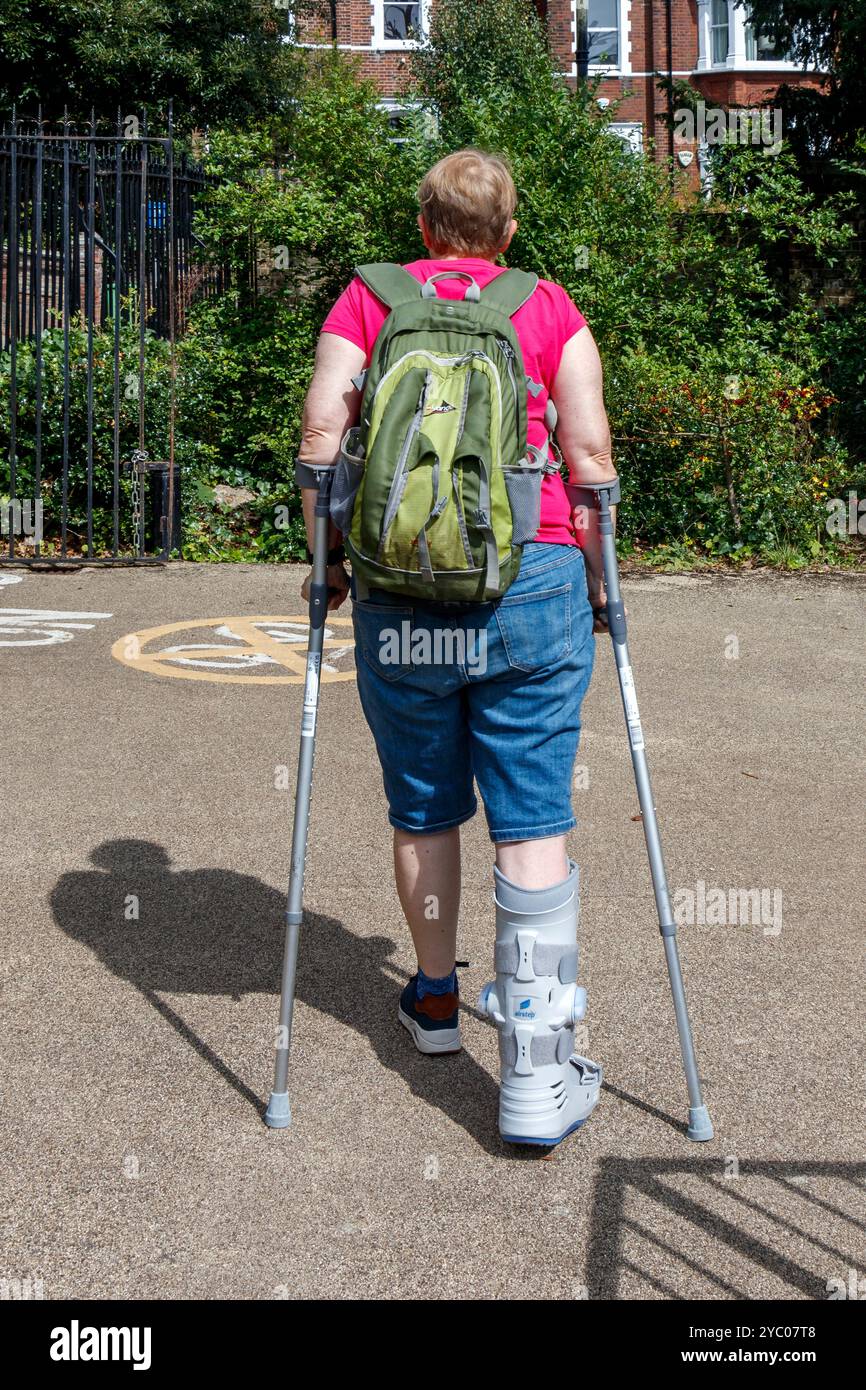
(43, 627)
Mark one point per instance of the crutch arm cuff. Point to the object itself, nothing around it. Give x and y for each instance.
(587, 494)
(311, 474)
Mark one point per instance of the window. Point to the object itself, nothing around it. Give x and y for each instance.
(399, 122)
(399, 24)
(729, 39)
(288, 22)
(719, 31)
(401, 117)
(602, 25)
(630, 133)
(761, 46)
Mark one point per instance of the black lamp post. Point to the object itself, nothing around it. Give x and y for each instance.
(581, 52)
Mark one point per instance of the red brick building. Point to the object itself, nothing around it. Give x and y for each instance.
(709, 43)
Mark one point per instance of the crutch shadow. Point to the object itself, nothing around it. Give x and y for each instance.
(700, 1228)
(214, 931)
(663, 1116)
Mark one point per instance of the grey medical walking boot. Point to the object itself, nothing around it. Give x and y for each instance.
(535, 1001)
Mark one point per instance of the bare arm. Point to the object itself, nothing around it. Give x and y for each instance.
(584, 437)
(331, 407)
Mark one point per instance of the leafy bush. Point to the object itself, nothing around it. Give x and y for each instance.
(343, 194)
(731, 394)
(156, 397)
(723, 464)
(717, 365)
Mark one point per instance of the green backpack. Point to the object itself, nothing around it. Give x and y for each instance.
(436, 489)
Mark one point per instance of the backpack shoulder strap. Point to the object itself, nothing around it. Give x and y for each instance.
(390, 283)
(510, 290)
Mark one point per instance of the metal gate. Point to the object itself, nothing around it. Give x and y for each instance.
(98, 264)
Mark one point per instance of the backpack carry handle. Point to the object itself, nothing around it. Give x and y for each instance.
(473, 293)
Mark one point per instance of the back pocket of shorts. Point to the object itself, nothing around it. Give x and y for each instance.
(383, 635)
(536, 627)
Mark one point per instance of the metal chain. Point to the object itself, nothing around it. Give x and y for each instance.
(138, 460)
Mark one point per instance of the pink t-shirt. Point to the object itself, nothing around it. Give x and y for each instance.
(543, 326)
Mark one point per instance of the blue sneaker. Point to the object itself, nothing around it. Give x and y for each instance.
(434, 1022)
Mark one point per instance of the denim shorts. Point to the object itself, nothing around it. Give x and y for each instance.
(486, 693)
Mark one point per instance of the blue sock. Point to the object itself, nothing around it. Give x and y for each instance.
(446, 984)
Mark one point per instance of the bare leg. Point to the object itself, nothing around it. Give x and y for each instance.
(533, 863)
(427, 870)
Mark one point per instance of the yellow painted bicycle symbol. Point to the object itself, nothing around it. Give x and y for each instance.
(241, 650)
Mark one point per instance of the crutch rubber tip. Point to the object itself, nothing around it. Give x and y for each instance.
(279, 1113)
(700, 1124)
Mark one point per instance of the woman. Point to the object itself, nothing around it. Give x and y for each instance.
(510, 724)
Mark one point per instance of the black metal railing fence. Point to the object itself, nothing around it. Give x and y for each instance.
(98, 260)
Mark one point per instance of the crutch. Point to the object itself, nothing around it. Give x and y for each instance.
(604, 496)
(279, 1114)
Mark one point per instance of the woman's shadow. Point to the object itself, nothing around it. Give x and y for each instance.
(212, 931)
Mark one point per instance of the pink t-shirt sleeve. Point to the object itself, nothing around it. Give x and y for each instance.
(346, 318)
(553, 318)
(566, 321)
(357, 315)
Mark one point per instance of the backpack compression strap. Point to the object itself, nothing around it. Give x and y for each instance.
(390, 283)
(510, 290)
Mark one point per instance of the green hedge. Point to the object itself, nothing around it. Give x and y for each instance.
(735, 401)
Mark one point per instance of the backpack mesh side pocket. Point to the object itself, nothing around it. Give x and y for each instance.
(347, 479)
(523, 486)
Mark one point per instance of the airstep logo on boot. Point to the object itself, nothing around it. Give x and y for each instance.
(524, 1009)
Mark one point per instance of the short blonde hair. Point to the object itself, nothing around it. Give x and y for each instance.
(467, 200)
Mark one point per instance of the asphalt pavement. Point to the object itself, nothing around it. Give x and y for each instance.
(150, 722)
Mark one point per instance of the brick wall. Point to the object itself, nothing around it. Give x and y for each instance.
(747, 89)
(641, 102)
(52, 273)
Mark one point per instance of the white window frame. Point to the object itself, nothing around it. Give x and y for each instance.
(377, 23)
(714, 9)
(622, 67)
(287, 8)
(736, 60)
(401, 104)
(630, 133)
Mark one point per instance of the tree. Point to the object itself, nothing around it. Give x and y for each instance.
(707, 348)
(712, 364)
(218, 60)
(823, 125)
